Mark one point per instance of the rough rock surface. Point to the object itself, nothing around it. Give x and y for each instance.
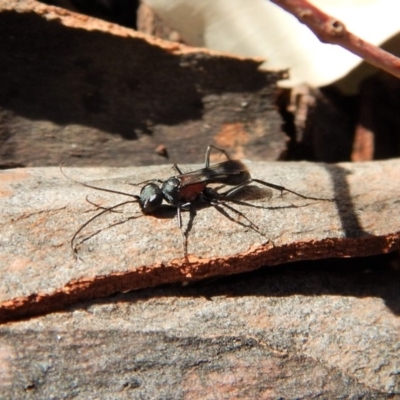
(292, 332)
(126, 250)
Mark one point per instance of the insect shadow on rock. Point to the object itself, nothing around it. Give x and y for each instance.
(190, 191)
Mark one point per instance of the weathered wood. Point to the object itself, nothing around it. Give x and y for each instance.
(378, 125)
(88, 92)
(41, 211)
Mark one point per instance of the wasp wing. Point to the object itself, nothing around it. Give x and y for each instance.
(217, 173)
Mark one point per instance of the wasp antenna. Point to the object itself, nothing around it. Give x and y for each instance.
(103, 211)
(146, 182)
(95, 187)
(111, 208)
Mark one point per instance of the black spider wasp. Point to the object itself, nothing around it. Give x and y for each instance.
(185, 190)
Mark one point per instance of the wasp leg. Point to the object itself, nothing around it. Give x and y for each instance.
(209, 148)
(282, 189)
(185, 233)
(192, 215)
(219, 207)
(183, 236)
(216, 199)
(177, 169)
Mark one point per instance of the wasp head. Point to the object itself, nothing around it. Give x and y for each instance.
(151, 198)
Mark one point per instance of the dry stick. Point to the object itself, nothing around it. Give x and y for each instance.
(331, 30)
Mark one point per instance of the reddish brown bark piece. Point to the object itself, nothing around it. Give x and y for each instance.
(378, 125)
(42, 210)
(324, 123)
(85, 91)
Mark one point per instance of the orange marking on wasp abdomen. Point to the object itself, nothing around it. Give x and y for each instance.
(190, 192)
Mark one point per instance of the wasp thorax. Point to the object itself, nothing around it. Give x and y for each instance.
(171, 190)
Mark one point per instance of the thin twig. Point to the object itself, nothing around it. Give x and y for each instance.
(331, 30)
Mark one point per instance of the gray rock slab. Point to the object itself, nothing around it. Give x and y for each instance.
(289, 332)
